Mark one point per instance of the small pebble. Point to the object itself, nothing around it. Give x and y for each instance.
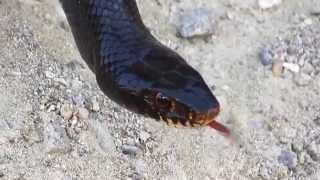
(302, 79)
(277, 68)
(66, 111)
(314, 151)
(55, 139)
(297, 146)
(292, 50)
(307, 22)
(265, 57)
(102, 135)
(230, 15)
(32, 135)
(78, 100)
(48, 17)
(288, 158)
(266, 4)
(83, 113)
(308, 68)
(130, 150)
(141, 167)
(291, 66)
(301, 157)
(301, 61)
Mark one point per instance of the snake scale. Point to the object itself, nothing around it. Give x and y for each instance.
(137, 71)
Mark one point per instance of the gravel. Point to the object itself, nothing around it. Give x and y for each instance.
(55, 123)
(299, 53)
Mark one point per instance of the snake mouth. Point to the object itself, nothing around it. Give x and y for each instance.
(200, 120)
(213, 123)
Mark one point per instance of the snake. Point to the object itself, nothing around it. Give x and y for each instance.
(136, 70)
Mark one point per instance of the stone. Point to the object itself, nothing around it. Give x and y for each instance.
(195, 22)
(288, 159)
(277, 68)
(302, 79)
(297, 146)
(78, 100)
(267, 4)
(66, 111)
(307, 68)
(32, 135)
(130, 150)
(141, 167)
(55, 137)
(102, 135)
(313, 150)
(265, 56)
(291, 67)
(83, 113)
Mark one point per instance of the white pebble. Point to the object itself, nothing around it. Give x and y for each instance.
(308, 21)
(66, 111)
(266, 4)
(292, 67)
(83, 113)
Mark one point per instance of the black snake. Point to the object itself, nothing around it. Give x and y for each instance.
(134, 69)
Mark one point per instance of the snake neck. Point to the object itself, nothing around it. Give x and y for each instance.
(112, 10)
(106, 30)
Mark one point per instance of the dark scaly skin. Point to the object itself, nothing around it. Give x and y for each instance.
(136, 70)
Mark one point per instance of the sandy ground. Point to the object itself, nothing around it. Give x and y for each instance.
(56, 124)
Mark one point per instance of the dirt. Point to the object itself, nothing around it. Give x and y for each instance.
(55, 123)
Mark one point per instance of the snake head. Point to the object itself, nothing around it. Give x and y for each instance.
(177, 94)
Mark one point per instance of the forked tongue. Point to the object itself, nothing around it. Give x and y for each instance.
(221, 128)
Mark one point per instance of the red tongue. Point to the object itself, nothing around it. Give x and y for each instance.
(219, 127)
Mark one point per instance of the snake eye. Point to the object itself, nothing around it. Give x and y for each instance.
(161, 100)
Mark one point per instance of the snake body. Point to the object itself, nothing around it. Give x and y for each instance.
(134, 69)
